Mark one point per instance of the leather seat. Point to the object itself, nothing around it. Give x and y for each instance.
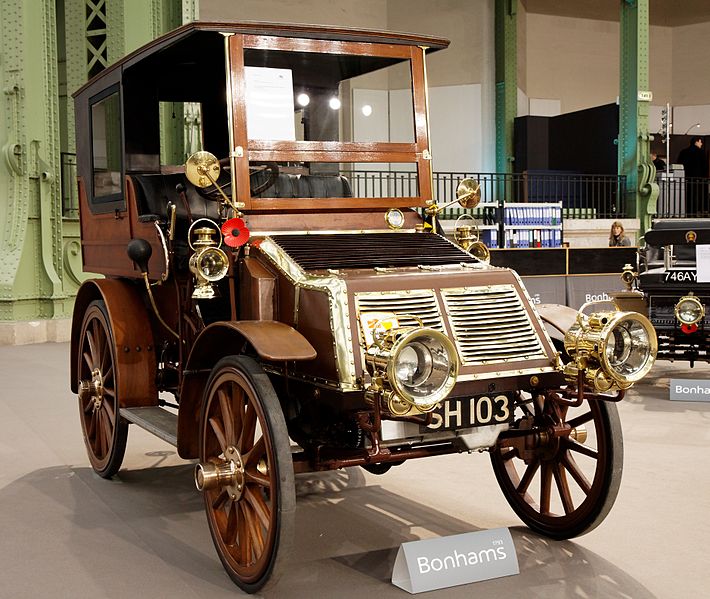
(154, 191)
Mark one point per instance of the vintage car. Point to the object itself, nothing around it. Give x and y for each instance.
(668, 287)
(269, 311)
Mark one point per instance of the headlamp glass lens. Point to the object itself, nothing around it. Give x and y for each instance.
(422, 368)
(628, 348)
(688, 311)
(212, 265)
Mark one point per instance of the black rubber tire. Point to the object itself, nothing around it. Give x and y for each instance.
(239, 383)
(105, 432)
(555, 462)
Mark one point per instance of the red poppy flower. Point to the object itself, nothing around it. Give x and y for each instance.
(688, 329)
(235, 232)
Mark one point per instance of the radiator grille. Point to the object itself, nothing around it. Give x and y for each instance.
(491, 325)
(402, 303)
(370, 250)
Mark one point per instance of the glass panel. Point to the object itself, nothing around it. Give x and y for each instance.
(182, 131)
(332, 180)
(335, 97)
(106, 147)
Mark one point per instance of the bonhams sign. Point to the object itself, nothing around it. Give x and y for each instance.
(690, 390)
(459, 559)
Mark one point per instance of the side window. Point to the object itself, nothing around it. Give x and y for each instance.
(106, 149)
(181, 131)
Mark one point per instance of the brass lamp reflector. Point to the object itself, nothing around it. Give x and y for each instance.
(628, 276)
(417, 364)
(614, 349)
(202, 169)
(689, 310)
(468, 193)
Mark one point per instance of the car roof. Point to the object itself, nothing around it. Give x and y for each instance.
(678, 231)
(201, 28)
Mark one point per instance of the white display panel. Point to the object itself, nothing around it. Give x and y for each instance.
(269, 95)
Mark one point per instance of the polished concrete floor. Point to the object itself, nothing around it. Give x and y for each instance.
(66, 533)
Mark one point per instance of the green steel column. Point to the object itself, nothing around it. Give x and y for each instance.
(40, 266)
(506, 81)
(634, 99)
(31, 266)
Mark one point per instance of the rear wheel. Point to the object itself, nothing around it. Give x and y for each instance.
(563, 477)
(105, 432)
(246, 472)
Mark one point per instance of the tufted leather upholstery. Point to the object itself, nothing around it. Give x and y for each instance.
(154, 191)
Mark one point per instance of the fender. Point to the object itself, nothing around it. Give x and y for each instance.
(273, 341)
(134, 346)
(558, 319)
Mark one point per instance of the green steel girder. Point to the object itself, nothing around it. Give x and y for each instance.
(634, 138)
(31, 266)
(40, 259)
(506, 81)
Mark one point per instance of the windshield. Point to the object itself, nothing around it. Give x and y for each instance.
(336, 120)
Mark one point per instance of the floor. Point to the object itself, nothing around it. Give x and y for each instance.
(66, 533)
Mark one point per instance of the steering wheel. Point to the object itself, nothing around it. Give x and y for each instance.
(270, 171)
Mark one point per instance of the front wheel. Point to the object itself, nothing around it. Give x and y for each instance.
(105, 432)
(246, 472)
(563, 476)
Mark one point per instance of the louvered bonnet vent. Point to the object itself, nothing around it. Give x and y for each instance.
(370, 250)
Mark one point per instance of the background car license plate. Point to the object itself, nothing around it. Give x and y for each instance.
(680, 276)
(465, 413)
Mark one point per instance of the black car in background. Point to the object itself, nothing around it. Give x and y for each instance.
(676, 290)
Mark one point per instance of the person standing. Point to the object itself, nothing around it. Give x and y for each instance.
(695, 165)
(658, 162)
(617, 238)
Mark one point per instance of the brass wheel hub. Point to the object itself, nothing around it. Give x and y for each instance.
(93, 390)
(236, 486)
(228, 474)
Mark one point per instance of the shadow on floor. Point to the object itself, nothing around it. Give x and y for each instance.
(67, 532)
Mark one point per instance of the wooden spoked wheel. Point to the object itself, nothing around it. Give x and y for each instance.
(246, 472)
(105, 432)
(563, 477)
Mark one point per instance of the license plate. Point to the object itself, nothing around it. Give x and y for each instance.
(465, 413)
(680, 276)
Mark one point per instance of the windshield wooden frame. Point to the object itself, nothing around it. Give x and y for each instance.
(244, 150)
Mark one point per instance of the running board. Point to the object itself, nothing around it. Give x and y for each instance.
(158, 421)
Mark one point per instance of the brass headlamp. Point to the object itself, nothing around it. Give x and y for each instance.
(466, 234)
(689, 310)
(209, 263)
(628, 276)
(611, 349)
(412, 368)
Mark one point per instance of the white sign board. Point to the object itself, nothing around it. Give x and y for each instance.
(269, 104)
(690, 390)
(702, 259)
(444, 562)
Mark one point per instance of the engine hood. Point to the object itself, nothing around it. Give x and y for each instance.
(485, 310)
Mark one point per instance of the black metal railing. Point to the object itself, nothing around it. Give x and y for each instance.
(581, 196)
(382, 184)
(70, 193)
(683, 197)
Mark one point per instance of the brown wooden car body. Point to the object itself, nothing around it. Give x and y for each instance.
(294, 296)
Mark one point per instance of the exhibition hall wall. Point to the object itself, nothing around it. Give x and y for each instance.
(575, 62)
(565, 64)
(461, 78)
